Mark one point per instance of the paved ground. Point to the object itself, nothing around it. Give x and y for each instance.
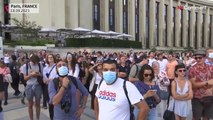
(15, 110)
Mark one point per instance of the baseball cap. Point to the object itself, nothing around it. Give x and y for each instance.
(200, 52)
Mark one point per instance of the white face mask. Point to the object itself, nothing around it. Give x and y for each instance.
(210, 55)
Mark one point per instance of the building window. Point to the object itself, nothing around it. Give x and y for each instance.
(203, 24)
(96, 14)
(112, 15)
(165, 22)
(174, 25)
(136, 20)
(189, 15)
(157, 24)
(181, 29)
(196, 22)
(147, 24)
(210, 31)
(125, 16)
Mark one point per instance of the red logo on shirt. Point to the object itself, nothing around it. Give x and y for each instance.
(107, 95)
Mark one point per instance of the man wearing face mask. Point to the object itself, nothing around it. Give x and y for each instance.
(112, 102)
(31, 71)
(62, 94)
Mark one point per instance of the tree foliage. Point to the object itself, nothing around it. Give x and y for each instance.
(28, 29)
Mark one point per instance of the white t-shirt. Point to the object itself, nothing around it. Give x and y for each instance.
(163, 64)
(97, 78)
(6, 60)
(151, 61)
(112, 101)
(76, 73)
(51, 70)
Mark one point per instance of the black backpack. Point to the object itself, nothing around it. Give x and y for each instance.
(14, 69)
(71, 78)
(39, 78)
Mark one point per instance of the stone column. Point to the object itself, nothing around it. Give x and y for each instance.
(212, 33)
(119, 16)
(199, 29)
(142, 23)
(177, 26)
(206, 29)
(2, 11)
(131, 18)
(192, 28)
(184, 25)
(104, 15)
(161, 23)
(59, 14)
(85, 14)
(71, 10)
(169, 24)
(152, 16)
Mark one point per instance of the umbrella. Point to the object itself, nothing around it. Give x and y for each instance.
(48, 30)
(124, 36)
(80, 31)
(98, 32)
(112, 33)
(64, 30)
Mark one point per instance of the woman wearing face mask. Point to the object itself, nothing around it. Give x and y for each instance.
(96, 70)
(149, 90)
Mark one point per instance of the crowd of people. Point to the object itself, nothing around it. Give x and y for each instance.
(124, 86)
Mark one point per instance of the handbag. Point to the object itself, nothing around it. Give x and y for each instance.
(169, 112)
(8, 78)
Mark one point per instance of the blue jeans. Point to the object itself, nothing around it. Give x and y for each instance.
(152, 115)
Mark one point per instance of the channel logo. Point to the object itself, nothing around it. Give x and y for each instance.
(107, 95)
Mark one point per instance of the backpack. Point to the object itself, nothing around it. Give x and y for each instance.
(14, 68)
(131, 107)
(39, 78)
(71, 78)
(137, 69)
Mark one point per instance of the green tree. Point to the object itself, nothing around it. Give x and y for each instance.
(28, 29)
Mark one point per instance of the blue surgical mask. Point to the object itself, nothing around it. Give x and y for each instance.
(211, 55)
(109, 77)
(63, 71)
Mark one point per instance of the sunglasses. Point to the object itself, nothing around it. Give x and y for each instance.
(196, 58)
(181, 70)
(146, 75)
